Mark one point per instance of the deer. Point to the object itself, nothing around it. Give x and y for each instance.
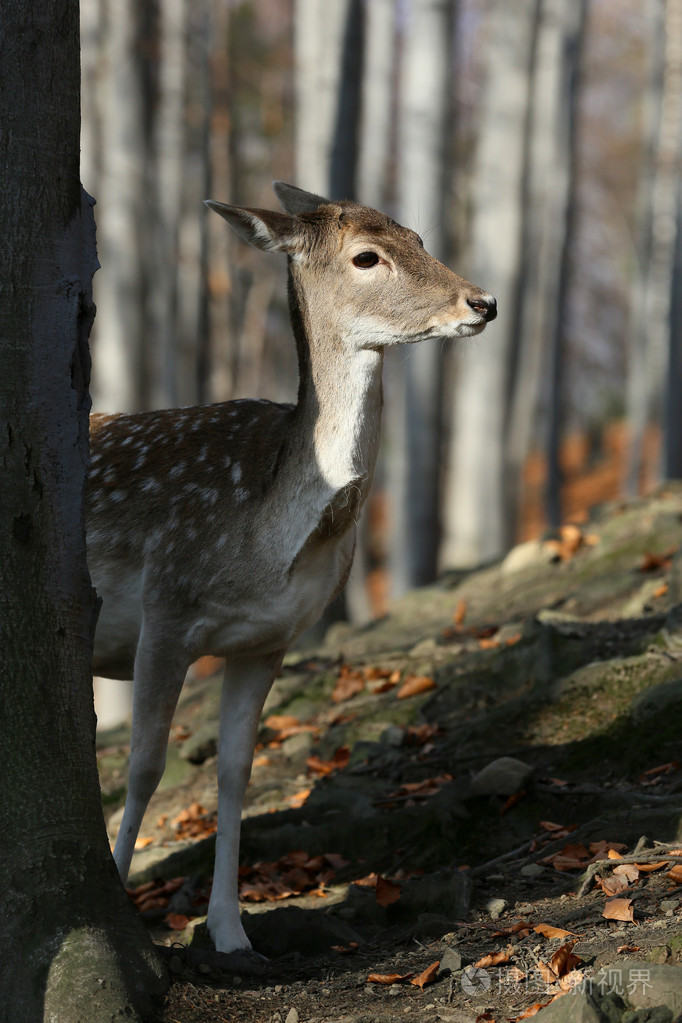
(227, 528)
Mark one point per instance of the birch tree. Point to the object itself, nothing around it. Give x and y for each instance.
(73, 947)
(478, 514)
(416, 375)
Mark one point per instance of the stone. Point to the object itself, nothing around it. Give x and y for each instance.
(451, 960)
(656, 699)
(502, 777)
(650, 985)
(525, 555)
(298, 746)
(292, 1015)
(496, 908)
(202, 744)
(532, 870)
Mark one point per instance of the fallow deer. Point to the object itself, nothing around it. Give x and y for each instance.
(226, 529)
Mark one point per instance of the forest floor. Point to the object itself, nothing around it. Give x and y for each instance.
(455, 813)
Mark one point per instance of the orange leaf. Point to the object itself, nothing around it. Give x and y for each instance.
(387, 891)
(426, 976)
(142, 843)
(628, 870)
(612, 885)
(548, 931)
(619, 909)
(646, 868)
(628, 948)
(564, 959)
(278, 722)
(176, 921)
(388, 978)
(299, 798)
(414, 685)
(348, 684)
(460, 612)
(675, 873)
(613, 854)
(532, 1010)
(494, 959)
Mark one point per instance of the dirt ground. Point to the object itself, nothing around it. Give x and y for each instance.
(497, 758)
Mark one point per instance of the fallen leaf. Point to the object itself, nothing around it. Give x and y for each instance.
(388, 978)
(142, 843)
(494, 959)
(628, 948)
(647, 868)
(521, 927)
(675, 873)
(296, 801)
(488, 644)
(349, 683)
(548, 931)
(387, 891)
(660, 591)
(619, 909)
(613, 854)
(325, 767)
(515, 798)
(352, 946)
(414, 685)
(278, 722)
(652, 562)
(571, 980)
(628, 870)
(176, 921)
(261, 760)
(532, 1010)
(460, 612)
(612, 885)
(426, 976)
(565, 960)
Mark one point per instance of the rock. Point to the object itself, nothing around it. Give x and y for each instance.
(525, 555)
(496, 908)
(658, 954)
(652, 985)
(292, 1015)
(656, 699)
(532, 870)
(451, 960)
(298, 746)
(668, 905)
(502, 777)
(579, 1006)
(202, 744)
(393, 736)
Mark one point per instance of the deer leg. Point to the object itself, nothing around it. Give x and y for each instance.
(246, 684)
(160, 669)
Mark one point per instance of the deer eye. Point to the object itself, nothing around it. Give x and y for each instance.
(365, 260)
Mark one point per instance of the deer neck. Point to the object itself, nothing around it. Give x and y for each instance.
(338, 415)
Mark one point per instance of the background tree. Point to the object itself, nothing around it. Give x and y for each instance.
(67, 922)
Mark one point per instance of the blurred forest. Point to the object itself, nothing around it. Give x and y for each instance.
(535, 145)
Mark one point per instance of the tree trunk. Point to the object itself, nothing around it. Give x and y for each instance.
(73, 948)
(423, 148)
(478, 520)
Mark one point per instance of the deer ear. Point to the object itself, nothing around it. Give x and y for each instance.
(295, 200)
(266, 229)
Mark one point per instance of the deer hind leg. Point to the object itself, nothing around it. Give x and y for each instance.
(246, 684)
(160, 668)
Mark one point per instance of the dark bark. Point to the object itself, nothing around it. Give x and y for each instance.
(66, 921)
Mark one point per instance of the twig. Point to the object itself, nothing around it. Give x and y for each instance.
(483, 868)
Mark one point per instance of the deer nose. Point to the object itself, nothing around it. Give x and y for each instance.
(485, 304)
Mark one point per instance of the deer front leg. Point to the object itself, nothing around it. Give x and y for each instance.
(246, 684)
(159, 672)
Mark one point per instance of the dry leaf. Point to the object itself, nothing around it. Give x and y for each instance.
(612, 885)
(388, 978)
(675, 873)
(564, 959)
(296, 801)
(426, 976)
(277, 722)
(142, 843)
(494, 959)
(613, 854)
(414, 685)
(387, 891)
(628, 870)
(647, 868)
(628, 948)
(548, 931)
(660, 591)
(460, 612)
(571, 980)
(348, 684)
(619, 909)
(532, 1010)
(521, 927)
(325, 767)
(176, 921)
(261, 760)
